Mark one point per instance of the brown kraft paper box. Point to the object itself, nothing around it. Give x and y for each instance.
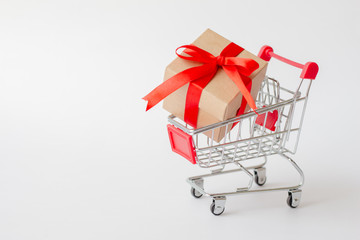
(221, 98)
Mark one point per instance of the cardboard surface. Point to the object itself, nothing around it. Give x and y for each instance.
(221, 98)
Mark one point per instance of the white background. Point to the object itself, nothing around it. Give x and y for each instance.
(80, 158)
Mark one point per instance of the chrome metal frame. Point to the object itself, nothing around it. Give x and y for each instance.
(245, 140)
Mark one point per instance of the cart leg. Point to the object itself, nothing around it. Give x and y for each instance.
(294, 197)
(298, 169)
(218, 205)
(251, 176)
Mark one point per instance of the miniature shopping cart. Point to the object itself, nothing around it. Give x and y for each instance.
(274, 130)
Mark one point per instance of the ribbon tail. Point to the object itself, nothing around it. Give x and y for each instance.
(234, 75)
(150, 102)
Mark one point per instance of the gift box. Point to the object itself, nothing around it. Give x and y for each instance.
(220, 98)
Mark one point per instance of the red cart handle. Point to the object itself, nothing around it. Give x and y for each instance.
(309, 70)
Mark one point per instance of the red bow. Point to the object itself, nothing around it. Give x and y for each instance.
(238, 70)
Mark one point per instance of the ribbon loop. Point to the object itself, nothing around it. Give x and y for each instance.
(245, 66)
(196, 54)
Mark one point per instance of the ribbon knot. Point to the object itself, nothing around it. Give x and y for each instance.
(237, 69)
(220, 60)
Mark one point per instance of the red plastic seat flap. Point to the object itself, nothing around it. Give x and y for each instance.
(271, 120)
(182, 143)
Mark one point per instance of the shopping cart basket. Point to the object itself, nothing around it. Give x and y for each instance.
(275, 130)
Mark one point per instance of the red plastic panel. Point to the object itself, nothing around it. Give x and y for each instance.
(182, 143)
(271, 120)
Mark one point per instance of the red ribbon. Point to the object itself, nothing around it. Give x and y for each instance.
(238, 70)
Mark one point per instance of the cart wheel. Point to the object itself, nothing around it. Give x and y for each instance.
(218, 205)
(293, 199)
(195, 193)
(216, 210)
(289, 201)
(260, 176)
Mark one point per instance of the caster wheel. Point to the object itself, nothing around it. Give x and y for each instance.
(289, 201)
(218, 205)
(195, 193)
(216, 210)
(260, 176)
(293, 199)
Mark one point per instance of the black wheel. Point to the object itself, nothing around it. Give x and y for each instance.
(259, 181)
(195, 193)
(216, 210)
(289, 201)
